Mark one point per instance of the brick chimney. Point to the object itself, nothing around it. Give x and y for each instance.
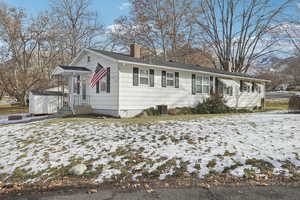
(135, 50)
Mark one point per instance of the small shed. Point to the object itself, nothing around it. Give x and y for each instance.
(43, 102)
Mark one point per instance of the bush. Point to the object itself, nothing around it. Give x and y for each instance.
(294, 103)
(185, 111)
(151, 112)
(172, 111)
(213, 105)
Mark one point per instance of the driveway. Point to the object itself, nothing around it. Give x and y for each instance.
(191, 193)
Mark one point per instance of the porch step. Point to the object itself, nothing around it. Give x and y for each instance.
(83, 110)
(64, 111)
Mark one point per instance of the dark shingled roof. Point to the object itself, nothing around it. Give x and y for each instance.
(175, 65)
(74, 68)
(46, 93)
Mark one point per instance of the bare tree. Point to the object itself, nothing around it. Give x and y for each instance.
(163, 27)
(238, 30)
(19, 40)
(79, 26)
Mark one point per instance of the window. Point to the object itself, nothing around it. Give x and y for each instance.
(205, 83)
(257, 88)
(199, 84)
(202, 84)
(229, 90)
(144, 76)
(88, 59)
(245, 87)
(101, 86)
(76, 83)
(170, 79)
(224, 89)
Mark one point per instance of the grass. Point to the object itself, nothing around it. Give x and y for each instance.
(276, 105)
(270, 105)
(12, 109)
(137, 120)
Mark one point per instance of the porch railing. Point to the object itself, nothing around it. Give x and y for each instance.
(80, 100)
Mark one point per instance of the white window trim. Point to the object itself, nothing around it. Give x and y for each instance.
(173, 79)
(102, 81)
(225, 88)
(202, 84)
(144, 76)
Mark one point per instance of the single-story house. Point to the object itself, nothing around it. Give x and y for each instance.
(133, 84)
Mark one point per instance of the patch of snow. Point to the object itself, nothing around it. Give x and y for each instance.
(240, 171)
(202, 145)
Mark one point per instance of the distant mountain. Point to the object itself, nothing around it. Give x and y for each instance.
(270, 64)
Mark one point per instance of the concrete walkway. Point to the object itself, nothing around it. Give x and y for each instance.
(191, 193)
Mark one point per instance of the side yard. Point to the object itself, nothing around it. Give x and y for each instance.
(243, 146)
(6, 109)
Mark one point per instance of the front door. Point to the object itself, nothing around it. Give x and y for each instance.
(83, 90)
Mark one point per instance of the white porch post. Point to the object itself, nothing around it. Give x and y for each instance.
(71, 92)
(214, 84)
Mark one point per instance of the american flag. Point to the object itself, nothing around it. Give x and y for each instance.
(99, 73)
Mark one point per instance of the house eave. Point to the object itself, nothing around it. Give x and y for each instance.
(195, 71)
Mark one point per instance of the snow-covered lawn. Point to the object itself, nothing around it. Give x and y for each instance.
(267, 143)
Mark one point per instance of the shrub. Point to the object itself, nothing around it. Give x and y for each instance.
(151, 112)
(172, 111)
(185, 111)
(294, 103)
(213, 105)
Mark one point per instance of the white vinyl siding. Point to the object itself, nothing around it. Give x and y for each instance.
(126, 99)
(102, 100)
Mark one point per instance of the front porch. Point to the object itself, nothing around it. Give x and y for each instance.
(77, 101)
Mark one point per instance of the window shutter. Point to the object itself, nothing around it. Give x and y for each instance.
(78, 84)
(163, 78)
(211, 84)
(98, 87)
(135, 76)
(151, 71)
(241, 86)
(176, 79)
(108, 80)
(193, 84)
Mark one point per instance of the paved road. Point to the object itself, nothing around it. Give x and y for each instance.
(214, 193)
(279, 95)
